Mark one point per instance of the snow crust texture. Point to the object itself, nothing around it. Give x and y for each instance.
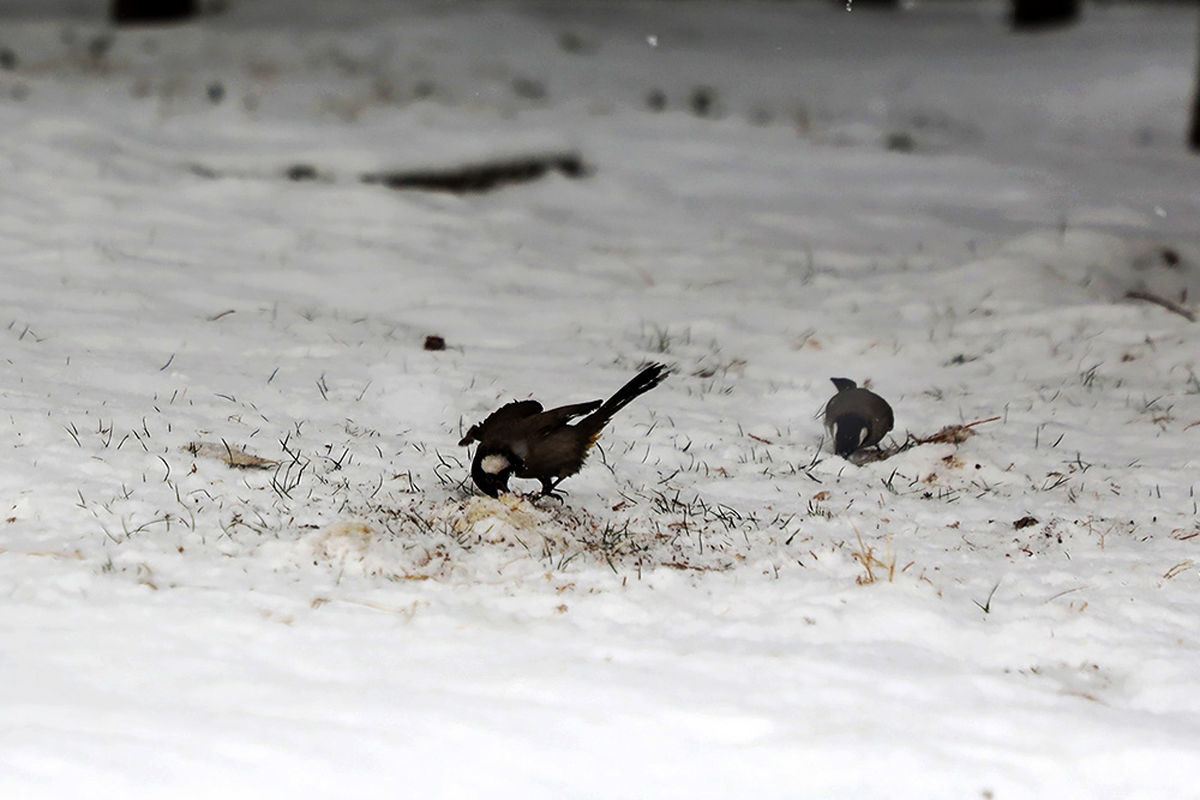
(240, 555)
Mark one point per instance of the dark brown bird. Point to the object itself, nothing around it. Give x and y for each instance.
(522, 440)
(855, 417)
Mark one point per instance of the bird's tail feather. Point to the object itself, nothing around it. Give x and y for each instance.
(641, 383)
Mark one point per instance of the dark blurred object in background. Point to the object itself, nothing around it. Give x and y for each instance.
(1035, 14)
(134, 12)
(1194, 133)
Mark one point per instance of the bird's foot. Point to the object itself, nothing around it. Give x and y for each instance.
(549, 490)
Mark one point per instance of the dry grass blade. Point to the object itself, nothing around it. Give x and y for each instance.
(74, 555)
(1182, 566)
(865, 556)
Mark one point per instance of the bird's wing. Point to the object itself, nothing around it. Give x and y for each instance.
(557, 417)
(504, 415)
(886, 418)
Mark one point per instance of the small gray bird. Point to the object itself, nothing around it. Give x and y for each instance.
(856, 418)
(522, 440)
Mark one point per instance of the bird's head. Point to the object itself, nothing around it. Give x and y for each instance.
(849, 432)
(492, 468)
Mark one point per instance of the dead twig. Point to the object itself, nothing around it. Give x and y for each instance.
(234, 456)
(1169, 305)
(953, 433)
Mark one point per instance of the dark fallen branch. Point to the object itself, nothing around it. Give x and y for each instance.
(483, 176)
(1169, 305)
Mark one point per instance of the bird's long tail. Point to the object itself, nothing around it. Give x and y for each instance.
(643, 382)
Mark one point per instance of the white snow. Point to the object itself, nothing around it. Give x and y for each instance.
(720, 607)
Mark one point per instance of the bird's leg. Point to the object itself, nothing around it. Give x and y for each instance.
(548, 489)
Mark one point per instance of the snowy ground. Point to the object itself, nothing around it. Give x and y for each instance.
(727, 609)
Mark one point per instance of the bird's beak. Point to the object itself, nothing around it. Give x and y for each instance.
(491, 473)
(493, 485)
